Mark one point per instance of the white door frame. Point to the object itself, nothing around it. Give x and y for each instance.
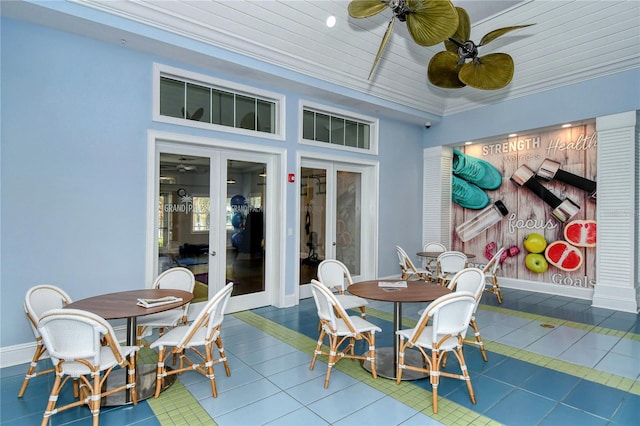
(275, 221)
(369, 211)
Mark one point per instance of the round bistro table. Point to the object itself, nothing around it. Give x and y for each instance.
(416, 291)
(122, 305)
(435, 254)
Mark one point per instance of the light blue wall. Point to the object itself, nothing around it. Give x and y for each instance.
(75, 116)
(586, 100)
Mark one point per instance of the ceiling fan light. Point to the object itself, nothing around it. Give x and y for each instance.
(331, 21)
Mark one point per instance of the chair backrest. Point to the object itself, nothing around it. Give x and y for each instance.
(434, 247)
(492, 267)
(329, 308)
(176, 279)
(470, 280)
(73, 334)
(211, 316)
(334, 274)
(451, 261)
(450, 316)
(40, 299)
(405, 262)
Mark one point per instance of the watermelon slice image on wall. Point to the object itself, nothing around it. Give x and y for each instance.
(563, 255)
(581, 233)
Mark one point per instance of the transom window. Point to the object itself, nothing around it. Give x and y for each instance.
(338, 129)
(197, 100)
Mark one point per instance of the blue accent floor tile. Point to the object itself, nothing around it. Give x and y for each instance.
(595, 398)
(521, 408)
(563, 415)
(513, 371)
(551, 384)
(629, 411)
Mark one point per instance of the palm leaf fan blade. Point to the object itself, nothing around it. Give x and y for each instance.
(463, 33)
(383, 44)
(432, 21)
(492, 35)
(443, 70)
(365, 8)
(490, 72)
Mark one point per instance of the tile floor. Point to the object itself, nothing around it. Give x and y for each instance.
(552, 361)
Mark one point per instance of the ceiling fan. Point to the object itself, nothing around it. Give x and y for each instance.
(450, 70)
(197, 114)
(181, 166)
(429, 21)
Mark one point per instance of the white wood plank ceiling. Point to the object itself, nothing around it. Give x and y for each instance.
(572, 41)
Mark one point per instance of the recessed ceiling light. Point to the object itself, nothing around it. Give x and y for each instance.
(513, 135)
(564, 126)
(468, 143)
(331, 21)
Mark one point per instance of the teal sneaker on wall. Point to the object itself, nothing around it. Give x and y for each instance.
(467, 195)
(476, 171)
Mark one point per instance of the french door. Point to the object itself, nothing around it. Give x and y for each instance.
(336, 219)
(212, 216)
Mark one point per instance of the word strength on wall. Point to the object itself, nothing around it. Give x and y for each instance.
(515, 145)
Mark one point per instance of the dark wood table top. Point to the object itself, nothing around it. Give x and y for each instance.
(435, 254)
(123, 303)
(416, 291)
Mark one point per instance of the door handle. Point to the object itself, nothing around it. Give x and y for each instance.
(213, 253)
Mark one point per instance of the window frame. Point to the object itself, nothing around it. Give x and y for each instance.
(341, 114)
(161, 70)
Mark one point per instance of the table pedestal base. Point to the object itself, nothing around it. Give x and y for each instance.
(386, 364)
(145, 385)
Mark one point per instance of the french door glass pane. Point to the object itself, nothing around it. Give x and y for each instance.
(348, 220)
(245, 224)
(183, 217)
(313, 200)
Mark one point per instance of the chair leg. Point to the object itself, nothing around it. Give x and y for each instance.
(496, 289)
(223, 356)
(53, 397)
(434, 377)
(318, 349)
(479, 341)
(465, 372)
(132, 379)
(363, 312)
(94, 398)
(161, 371)
(372, 355)
(400, 366)
(31, 372)
(333, 355)
(210, 372)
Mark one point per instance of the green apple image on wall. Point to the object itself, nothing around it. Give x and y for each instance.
(536, 262)
(535, 243)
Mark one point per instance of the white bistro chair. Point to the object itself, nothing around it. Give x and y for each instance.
(432, 247)
(491, 275)
(203, 332)
(341, 329)
(38, 300)
(335, 275)
(448, 264)
(84, 347)
(408, 269)
(449, 315)
(175, 279)
(471, 280)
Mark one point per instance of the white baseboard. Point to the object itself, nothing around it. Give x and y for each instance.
(23, 353)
